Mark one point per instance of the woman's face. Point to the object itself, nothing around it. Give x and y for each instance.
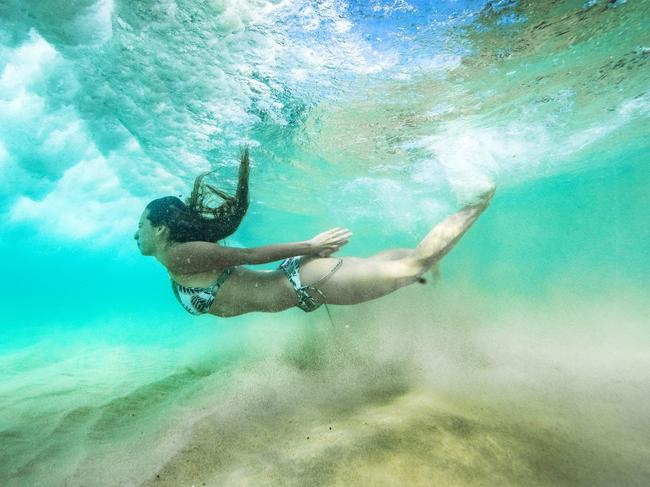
(146, 236)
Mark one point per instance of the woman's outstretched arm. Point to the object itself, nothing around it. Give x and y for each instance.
(193, 257)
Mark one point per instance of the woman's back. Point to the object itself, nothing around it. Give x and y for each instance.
(243, 291)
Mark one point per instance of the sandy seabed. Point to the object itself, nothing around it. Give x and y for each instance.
(413, 439)
(461, 392)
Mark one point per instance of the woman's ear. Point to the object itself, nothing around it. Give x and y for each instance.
(162, 231)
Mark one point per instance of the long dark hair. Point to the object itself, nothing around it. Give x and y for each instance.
(196, 219)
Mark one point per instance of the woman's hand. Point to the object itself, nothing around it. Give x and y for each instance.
(328, 242)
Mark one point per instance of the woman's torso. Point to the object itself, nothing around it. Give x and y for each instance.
(244, 290)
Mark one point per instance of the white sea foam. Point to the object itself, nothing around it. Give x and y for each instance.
(473, 156)
(87, 202)
(163, 106)
(180, 86)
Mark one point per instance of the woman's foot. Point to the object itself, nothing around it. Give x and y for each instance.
(483, 199)
(487, 195)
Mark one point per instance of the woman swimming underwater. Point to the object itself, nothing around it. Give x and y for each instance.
(209, 278)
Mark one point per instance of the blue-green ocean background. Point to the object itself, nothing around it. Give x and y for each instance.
(380, 116)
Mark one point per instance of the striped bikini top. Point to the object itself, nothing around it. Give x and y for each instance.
(197, 300)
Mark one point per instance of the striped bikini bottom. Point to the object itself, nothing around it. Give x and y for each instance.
(307, 300)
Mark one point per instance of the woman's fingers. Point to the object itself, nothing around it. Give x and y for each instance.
(338, 234)
(331, 240)
(342, 232)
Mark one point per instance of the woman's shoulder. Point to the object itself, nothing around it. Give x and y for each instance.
(186, 258)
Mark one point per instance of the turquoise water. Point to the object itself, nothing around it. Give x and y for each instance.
(380, 116)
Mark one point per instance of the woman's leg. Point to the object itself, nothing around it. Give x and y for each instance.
(392, 254)
(442, 238)
(363, 279)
